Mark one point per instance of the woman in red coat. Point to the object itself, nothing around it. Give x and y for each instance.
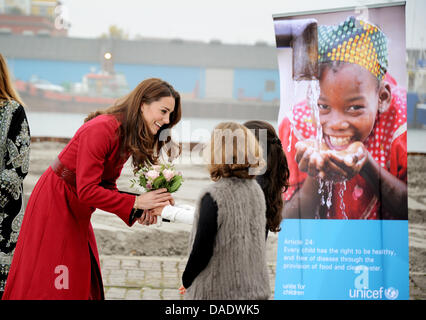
(56, 255)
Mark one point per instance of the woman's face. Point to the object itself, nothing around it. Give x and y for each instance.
(157, 113)
(348, 105)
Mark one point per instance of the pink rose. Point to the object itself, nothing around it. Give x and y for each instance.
(152, 174)
(168, 174)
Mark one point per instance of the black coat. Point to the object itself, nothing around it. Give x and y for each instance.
(14, 163)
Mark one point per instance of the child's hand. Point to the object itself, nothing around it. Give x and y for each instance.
(351, 160)
(308, 159)
(316, 162)
(182, 290)
(147, 218)
(157, 211)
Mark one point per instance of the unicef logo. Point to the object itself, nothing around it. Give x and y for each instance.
(391, 293)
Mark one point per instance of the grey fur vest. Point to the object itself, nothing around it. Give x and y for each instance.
(237, 268)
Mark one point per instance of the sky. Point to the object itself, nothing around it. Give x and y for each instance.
(230, 21)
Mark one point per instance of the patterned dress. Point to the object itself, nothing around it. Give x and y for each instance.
(14, 163)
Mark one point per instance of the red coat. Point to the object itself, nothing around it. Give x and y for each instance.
(56, 229)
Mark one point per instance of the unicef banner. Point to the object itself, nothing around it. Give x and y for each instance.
(343, 126)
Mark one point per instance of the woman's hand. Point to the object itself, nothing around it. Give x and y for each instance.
(153, 199)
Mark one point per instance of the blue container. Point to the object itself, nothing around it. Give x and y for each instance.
(412, 100)
(421, 114)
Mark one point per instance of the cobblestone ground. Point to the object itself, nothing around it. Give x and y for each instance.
(147, 278)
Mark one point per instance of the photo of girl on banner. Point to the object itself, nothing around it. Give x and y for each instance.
(343, 128)
(360, 169)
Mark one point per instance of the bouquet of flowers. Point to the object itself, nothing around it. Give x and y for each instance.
(158, 176)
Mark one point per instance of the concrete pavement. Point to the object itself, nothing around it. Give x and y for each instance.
(148, 278)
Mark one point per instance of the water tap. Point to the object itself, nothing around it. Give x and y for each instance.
(302, 36)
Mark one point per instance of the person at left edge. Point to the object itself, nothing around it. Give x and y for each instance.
(56, 255)
(15, 142)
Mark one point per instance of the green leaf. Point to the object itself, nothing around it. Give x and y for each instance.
(159, 182)
(142, 180)
(175, 184)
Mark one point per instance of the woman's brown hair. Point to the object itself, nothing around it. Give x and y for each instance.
(275, 179)
(7, 92)
(134, 134)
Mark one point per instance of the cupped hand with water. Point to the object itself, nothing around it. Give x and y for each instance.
(351, 160)
(317, 162)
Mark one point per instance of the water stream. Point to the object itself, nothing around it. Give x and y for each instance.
(313, 94)
(325, 187)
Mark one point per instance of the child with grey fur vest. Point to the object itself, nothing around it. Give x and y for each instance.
(228, 249)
